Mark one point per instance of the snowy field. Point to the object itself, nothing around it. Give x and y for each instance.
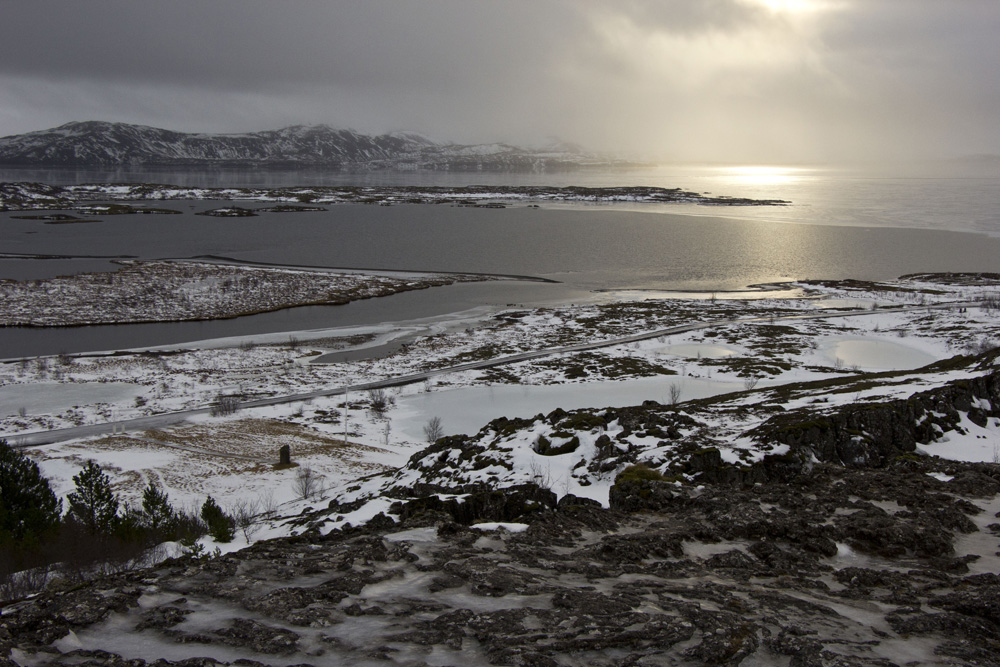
(352, 445)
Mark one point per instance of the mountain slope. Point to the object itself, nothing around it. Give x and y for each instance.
(101, 144)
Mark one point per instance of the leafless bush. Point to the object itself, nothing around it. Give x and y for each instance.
(225, 404)
(379, 401)
(433, 430)
(990, 303)
(83, 556)
(750, 383)
(980, 346)
(675, 393)
(245, 513)
(267, 504)
(308, 484)
(16, 585)
(542, 478)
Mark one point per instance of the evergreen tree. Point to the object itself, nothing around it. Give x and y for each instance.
(220, 525)
(93, 503)
(28, 507)
(158, 514)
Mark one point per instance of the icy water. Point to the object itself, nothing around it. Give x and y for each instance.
(842, 223)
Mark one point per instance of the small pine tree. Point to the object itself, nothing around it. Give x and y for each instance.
(28, 507)
(93, 504)
(157, 513)
(220, 525)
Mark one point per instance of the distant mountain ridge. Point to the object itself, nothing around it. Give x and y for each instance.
(104, 144)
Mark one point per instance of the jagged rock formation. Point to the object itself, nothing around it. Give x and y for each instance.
(842, 566)
(870, 435)
(837, 545)
(101, 144)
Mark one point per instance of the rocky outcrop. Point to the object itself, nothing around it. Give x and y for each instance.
(838, 566)
(872, 435)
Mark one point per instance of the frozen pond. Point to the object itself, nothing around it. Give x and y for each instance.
(863, 304)
(697, 351)
(467, 410)
(876, 354)
(53, 397)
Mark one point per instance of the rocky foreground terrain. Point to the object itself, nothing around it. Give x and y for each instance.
(837, 567)
(840, 545)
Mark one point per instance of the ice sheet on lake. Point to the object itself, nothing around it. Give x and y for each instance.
(468, 409)
(870, 353)
(55, 397)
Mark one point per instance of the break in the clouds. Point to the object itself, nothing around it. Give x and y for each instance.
(740, 80)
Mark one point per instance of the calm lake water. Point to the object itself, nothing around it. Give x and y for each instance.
(842, 223)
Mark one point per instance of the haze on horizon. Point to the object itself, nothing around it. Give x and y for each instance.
(760, 81)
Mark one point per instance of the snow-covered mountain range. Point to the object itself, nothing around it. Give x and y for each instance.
(102, 144)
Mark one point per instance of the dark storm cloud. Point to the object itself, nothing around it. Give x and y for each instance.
(691, 79)
(252, 44)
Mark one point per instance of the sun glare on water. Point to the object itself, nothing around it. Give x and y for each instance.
(763, 175)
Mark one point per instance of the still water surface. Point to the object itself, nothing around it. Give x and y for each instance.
(841, 224)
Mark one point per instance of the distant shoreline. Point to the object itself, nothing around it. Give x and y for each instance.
(191, 291)
(24, 196)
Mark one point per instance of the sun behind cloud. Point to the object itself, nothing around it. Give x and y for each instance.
(792, 6)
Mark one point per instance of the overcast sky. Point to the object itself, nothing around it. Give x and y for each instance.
(732, 80)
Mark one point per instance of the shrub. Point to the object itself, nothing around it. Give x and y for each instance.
(220, 525)
(379, 401)
(433, 430)
(225, 405)
(28, 507)
(639, 472)
(308, 484)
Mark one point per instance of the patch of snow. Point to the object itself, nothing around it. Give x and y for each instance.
(509, 527)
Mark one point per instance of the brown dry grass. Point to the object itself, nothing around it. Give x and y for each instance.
(193, 471)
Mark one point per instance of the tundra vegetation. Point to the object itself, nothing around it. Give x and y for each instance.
(819, 513)
(161, 291)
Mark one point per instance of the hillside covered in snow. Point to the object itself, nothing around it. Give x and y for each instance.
(102, 144)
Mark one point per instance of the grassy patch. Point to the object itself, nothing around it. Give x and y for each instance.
(639, 473)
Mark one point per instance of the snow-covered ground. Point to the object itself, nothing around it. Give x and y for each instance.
(162, 291)
(761, 344)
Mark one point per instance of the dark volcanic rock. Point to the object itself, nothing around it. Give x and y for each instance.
(719, 575)
(872, 435)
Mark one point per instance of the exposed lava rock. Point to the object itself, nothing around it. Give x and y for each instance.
(871, 435)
